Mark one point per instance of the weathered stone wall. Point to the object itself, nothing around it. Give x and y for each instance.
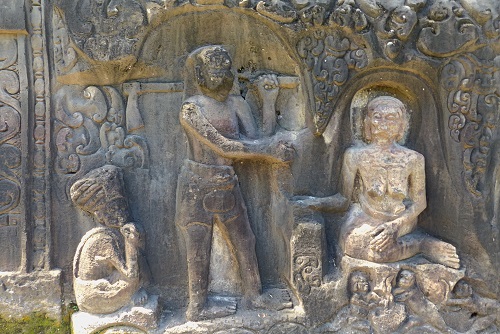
(89, 83)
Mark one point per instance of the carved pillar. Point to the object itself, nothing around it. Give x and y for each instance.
(28, 284)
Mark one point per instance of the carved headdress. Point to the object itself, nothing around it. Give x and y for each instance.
(101, 193)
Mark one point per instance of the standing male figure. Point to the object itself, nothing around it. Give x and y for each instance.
(208, 192)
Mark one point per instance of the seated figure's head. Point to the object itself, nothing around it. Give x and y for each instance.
(385, 119)
(101, 193)
(359, 283)
(212, 67)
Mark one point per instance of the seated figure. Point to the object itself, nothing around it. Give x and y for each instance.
(106, 266)
(380, 226)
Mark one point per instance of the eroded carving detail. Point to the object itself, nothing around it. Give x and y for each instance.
(208, 191)
(10, 127)
(91, 126)
(107, 264)
(65, 57)
(447, 21)
(329, 58)
(392, 195)
(40, 259)
(474, 105)
(107, 30)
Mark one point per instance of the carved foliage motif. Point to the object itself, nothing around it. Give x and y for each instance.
(91, 123)
(329, 58)
(106, 30)
(306, 272)
(474, 105)
(10, 126)
(446, 21)
(65, 57)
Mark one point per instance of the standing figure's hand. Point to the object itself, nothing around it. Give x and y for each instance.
(267, 87)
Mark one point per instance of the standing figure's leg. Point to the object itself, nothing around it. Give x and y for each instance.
(198, 240)
(236, 228)
(242, 242)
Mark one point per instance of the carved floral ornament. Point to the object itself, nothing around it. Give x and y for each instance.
(91, 126)
(10, 126)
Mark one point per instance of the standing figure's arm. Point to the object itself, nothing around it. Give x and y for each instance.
(246, 120)
(196, 123)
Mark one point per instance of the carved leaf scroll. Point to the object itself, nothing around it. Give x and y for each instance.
(330, 59)
(90, 121)
(474, 105)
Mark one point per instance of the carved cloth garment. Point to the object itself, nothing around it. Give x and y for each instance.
(207, 192)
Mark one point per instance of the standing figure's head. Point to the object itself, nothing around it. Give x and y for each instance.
(359, 283)
(406, 279)
(212, 68)
(102, 194)
(385, 119)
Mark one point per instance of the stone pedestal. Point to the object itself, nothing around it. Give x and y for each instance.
(130, 319)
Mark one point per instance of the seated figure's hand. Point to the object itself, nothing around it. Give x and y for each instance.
(383, 236)
(267, 87)
(131, 234)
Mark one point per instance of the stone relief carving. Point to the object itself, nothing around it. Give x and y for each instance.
(10, 127)
(91, 126)
(330, 59)
(473, 102)
(216, 124)
(392, 193)
(390, 288)
(107, 30)
(65, 57)
(109, 268)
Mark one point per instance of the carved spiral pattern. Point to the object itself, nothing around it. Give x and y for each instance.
(330, 57)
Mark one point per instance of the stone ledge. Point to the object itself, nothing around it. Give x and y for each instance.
(22, 294)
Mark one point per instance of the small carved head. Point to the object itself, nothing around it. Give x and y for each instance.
(359, 283)
(406, 279)
(386, 117)
(213, 69)
(462, 289)
(101, 193)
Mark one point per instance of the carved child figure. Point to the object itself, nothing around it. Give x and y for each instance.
(107, 272)
(473, 313)
(392, 193)
(208, 191)
(355, 316)
(408, 292)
